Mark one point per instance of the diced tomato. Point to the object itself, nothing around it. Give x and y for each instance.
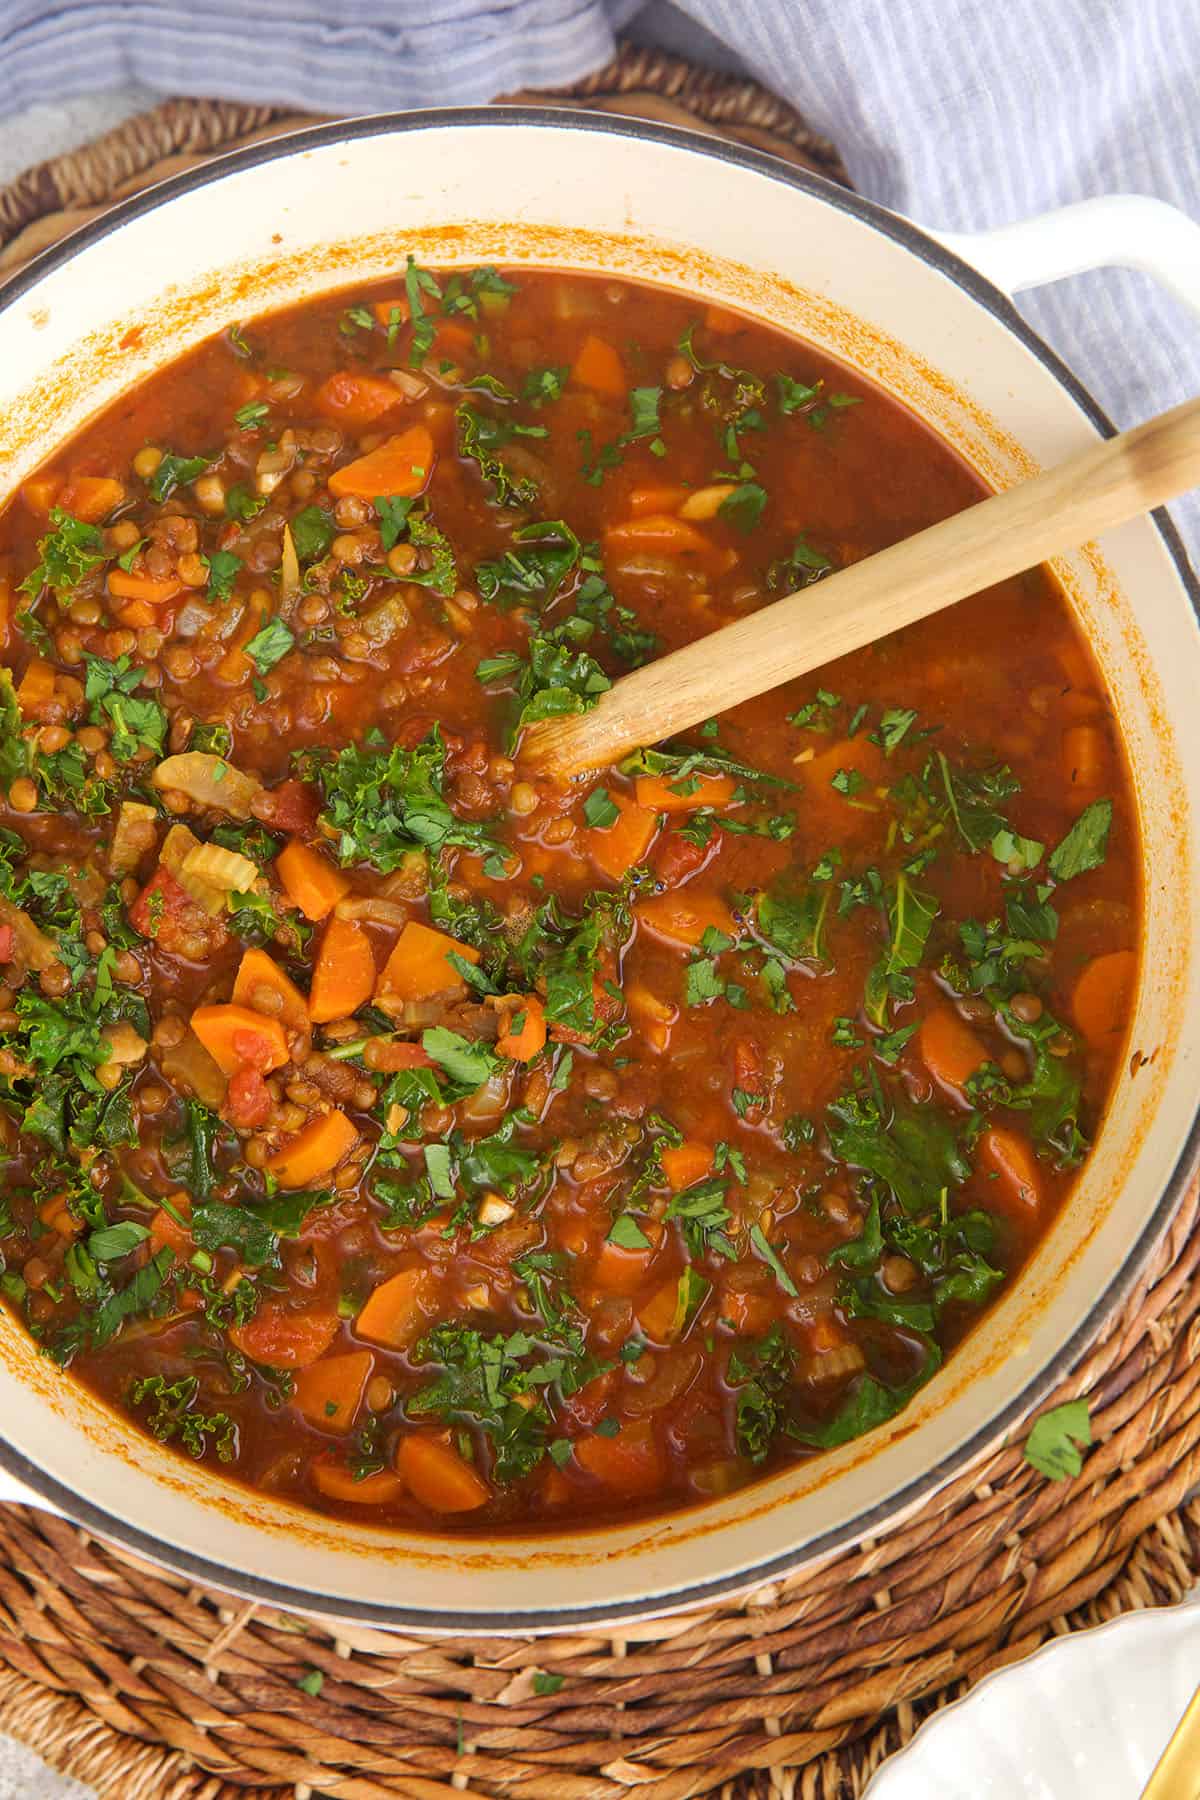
(7, 943)
(292, 807)
(248, 1100)
(255, 1051)
(161, 898)
(587, 1407)
(676, 857)
(408, 1056)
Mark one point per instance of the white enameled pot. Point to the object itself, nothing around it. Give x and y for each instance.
(303, 215)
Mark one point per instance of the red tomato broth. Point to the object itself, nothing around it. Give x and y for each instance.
(602, 1370)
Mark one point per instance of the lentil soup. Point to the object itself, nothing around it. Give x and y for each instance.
(420, 1140)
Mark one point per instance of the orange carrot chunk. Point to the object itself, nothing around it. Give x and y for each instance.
(329, 1392)
(40, 492)
(949, 1048)
(36, 687)
(355, 399)
(261, 984)
(401, 466)
(234, 1035)
(282, 1338)
(127, 586)
(167, 1233)
(399, 1309)
(617, 1270)
(309, 880)
(656, 500)
(1103, 997)
(417, 969)
(91, 497)
(599, 367)
(438, 1477)
(689, 1162)
(683, 918)
(344, 976)
(337, 1482)
(524, 1034)
(316, 1149)
(619, 847)
(665, 535)
(1009, 1155)
(667, 793)
(629, 1464)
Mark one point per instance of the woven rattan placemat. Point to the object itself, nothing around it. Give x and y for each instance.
(154, 1690)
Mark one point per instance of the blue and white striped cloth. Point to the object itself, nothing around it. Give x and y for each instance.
(961, 113)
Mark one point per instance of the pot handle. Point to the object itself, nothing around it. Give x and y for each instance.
(1124, 231)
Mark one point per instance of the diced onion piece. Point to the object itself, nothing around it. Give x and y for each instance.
(208, 780)
(133, 836)
(379, 624)
(226, 870)
(289, 567)
(177, 846)
(189, 1067)
(31, 946)
(373, 907)
(125, 1045)
(495, 1210)
(706, 502)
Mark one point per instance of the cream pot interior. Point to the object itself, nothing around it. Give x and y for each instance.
(289, 220)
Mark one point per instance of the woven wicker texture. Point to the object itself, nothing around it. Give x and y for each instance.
(46, 202)
(154, 1690)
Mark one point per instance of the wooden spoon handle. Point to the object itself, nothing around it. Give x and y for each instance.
(1101, 487)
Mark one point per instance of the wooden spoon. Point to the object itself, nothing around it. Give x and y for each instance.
(1101, 487)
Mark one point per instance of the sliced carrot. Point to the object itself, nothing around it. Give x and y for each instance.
(687, 1163)
(126, 586)
(1085, 758)
(329, 1392)
(667, 793)
(388, 310)
(399, 1309)
(438, 1477)
(355, 399)
(310, 880)
(401, 466)
(663, 534)
(618, 1270)
(344, 975)
(36, 687)
(337, 1482)
(91, 497)
(316, 1149)
(655, 500)
(653, 1017)
(949, 1048)
(55, 1213)
(417, 969)
(1010, 1155)
(40, 492)
(234, 1035)
(598, 366)
(136, 614)
(619, 847)
(629, 1464)
(261, 984)
(167, 1233)
(284, 1339)
(683, 918)
(749, 1313)
(1103, 997)
(659, 1316)
(523, 1044)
